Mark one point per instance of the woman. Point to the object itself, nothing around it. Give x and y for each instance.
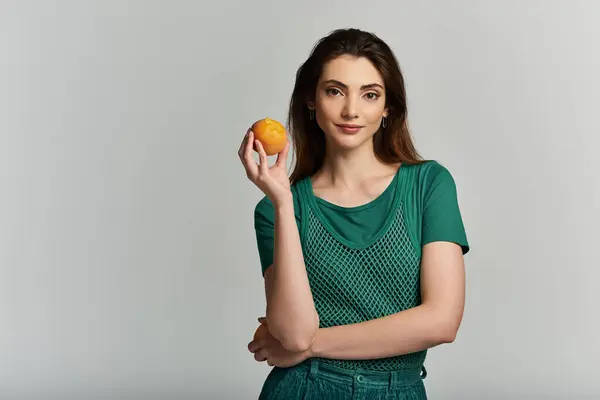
(362, 247)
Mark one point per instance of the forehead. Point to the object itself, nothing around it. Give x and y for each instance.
(353, 71)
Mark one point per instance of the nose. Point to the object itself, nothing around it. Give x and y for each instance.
(349, 111)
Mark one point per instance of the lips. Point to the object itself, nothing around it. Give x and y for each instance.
(347, 128)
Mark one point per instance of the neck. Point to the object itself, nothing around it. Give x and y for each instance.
(349, 169)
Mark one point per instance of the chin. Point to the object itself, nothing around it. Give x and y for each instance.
(348, 142)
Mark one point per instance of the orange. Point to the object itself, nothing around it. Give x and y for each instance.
(261, 331)
(271, 134)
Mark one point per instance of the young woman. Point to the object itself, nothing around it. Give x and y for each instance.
(362, 247)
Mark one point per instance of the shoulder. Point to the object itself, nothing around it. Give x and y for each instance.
(428, 180)
(437, 200)
(429, 173)
(429, 170)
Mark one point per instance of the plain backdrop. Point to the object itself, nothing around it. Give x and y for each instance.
(128, 262)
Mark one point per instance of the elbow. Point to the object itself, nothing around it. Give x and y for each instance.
(300, 343)
(445, 325)
(446, 333)
(448, 336)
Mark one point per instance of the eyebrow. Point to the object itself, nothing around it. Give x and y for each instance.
(363, 87)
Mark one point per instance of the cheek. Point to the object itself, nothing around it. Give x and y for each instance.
(329, 108)
(373, 114)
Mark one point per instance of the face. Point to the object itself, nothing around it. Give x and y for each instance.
(349, 102)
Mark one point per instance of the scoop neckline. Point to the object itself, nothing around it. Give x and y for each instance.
(314, 201)
(360, 207)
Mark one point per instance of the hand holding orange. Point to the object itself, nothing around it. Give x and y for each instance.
(271, 134)
(267, 137)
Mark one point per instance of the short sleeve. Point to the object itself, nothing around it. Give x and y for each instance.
(442, 219)
(264, 228)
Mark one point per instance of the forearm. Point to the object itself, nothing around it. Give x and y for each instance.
(406, 332)
(291, 312)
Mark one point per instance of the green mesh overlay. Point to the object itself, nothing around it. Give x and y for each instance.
(354, 285)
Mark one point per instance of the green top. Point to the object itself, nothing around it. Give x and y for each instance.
(363, 262)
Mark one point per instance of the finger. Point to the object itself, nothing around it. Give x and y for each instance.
(264, 163)
(283, 154)
(243, 144)
(249, 163)
(255, 345)
(270, 362)
(260, 355)
(249, 143)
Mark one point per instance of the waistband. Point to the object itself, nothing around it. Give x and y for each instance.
(361, 377)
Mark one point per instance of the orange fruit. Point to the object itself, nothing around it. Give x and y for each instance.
(271, 134)
(261, 331)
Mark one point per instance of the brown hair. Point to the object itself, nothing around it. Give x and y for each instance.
(392, 144)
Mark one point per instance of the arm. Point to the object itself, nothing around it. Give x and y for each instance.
(291, 313)
(434, 322)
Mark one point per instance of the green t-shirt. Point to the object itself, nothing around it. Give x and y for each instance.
(430, 186)
(364, 262)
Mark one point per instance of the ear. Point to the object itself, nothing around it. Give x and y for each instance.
(310, 100)
(386, 112)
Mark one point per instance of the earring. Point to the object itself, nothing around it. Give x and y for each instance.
(311, 113)
(384, 122)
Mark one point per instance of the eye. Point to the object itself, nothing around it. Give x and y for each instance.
(372, 96)
(332, 91)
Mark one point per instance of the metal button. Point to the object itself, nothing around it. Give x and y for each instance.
(360, 378)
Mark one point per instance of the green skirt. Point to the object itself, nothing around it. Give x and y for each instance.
(315, 380)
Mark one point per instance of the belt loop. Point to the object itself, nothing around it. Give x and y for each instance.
(393, 380)
(314, 368)
(423, 372)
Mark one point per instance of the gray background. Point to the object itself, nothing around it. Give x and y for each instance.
(128, 265)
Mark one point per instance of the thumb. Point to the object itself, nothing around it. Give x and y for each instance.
(262, 320)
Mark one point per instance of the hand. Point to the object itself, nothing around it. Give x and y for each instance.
(273, 181)
(266, 348)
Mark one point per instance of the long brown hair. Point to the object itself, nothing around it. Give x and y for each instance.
(392, 144)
